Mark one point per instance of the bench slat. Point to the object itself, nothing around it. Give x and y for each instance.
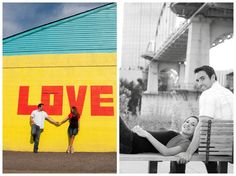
(216, 145)
(204, 133)
(217, 141)
(218, 121)
(215, 125)
(217, 137)
(215, 149)
(216, 153)
(159, 157)
(217, 129)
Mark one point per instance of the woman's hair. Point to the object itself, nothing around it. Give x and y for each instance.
(197, 122)
(74, 110)
(192, 117)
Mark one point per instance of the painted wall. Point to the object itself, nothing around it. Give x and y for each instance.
(60, 80)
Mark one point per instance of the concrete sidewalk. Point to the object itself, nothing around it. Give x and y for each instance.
(58, 162)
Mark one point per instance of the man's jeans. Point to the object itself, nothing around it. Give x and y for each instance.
(36, 131)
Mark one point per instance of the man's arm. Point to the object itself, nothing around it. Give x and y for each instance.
(185, 157)
(31, 120)
(52, 121)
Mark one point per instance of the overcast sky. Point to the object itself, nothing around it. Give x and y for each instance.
(18, 17)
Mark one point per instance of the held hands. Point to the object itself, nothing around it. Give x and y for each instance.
(183, 157)
(57, 123)
(141, 132)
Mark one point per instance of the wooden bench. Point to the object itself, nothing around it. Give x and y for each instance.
(216, 144)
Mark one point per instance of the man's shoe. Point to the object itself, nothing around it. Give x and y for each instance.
(35, 151)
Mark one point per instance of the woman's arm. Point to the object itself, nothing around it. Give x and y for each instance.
(159, 146)
(63, 121)
(162, 148)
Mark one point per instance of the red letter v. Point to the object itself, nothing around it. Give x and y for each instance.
(79, 101)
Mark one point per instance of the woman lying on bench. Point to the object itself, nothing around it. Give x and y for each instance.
(167, 143)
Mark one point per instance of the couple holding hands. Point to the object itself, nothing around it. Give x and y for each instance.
(38, 117)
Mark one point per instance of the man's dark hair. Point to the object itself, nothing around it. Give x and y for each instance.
(40, 104)
(209, 70)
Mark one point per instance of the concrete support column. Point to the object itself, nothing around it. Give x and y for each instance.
(152, 83)
(181, 74)
(197, 48)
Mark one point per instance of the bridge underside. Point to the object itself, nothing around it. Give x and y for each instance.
(172, 51)
(211, 10)
(175, 47)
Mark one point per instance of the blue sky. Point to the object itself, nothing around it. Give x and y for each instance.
(18, 17)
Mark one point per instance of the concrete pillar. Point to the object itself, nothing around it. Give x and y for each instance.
(181, 74)
(152, 83)
(197, 48)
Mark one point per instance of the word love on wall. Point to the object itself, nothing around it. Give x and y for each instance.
(57, 92)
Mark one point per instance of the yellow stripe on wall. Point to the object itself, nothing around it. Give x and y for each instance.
(57, 60)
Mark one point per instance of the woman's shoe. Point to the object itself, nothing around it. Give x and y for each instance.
(71, 150)
(68, 150)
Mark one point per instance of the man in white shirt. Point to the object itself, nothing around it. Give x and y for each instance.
(215, 102)
(37, 118)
